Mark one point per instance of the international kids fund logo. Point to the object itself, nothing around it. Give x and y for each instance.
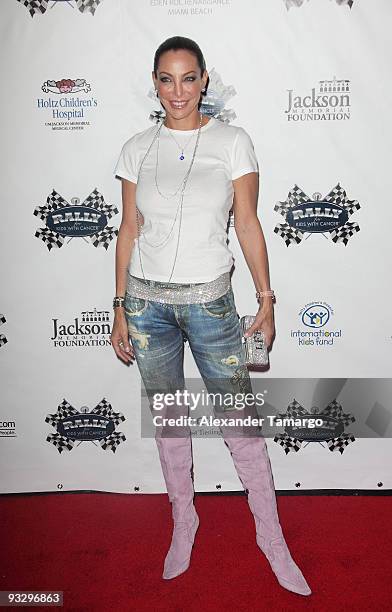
(87, 220)
(66, 109)
(328, 215)
(330, 101)
(40, 6)
(76, 426)
(328, 426)
(213, 103)
(316, 330)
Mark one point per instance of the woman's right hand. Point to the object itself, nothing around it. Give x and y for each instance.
(119, 337)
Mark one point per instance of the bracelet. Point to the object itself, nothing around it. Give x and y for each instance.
(269, 292)
(118, 301)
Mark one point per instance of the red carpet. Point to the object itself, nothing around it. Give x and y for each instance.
(105, 551)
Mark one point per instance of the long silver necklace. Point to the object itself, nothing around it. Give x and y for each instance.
(181, 200)
(186, 176)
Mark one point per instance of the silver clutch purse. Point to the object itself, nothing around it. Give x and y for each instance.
(256, 353)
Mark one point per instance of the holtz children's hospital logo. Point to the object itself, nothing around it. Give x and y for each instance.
(66, 105)
(3, 339)
(331, 102)
(290, 3)
(329, 427)
(75, 220)
(213, 103)
(314, 316)
(91, 328)
(327, 216)
(77, 426)
(40, 6)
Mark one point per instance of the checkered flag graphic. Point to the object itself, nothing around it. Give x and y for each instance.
(85, 6)
(103, 408)
(104, 238)
(40, 6)
(289, 234)
(297, 3)
(50, 238)
(35, 6)
(288, 443)
(60, 442)
(95, 200)
(295, 410)
(64, 410)
(3, 339)
(338, 195)
(297, 197)
(282, 208)
(55, 202)
(334, 409)
(344, 233)
(348, 2)
(113, 441)
(340, 443)
(290, 3)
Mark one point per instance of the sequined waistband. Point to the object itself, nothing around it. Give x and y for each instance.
(178, 293)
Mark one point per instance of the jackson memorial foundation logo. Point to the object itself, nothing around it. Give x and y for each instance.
(90, 329)
(329, 102)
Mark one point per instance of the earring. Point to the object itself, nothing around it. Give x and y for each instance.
(203, 91)
(156, 93)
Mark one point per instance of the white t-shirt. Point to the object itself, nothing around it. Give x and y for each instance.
(225, 152)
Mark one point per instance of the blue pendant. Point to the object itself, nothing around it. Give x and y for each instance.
(181, 156)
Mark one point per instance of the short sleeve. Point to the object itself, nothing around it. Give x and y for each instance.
(243, 156)
(126, 163)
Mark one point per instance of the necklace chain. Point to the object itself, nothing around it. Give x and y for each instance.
(182, 149)
(181, 200)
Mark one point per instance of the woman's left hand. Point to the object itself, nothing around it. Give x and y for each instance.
(264, 321)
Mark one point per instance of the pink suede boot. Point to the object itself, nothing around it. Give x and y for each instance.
(252, 462)
(176, 460)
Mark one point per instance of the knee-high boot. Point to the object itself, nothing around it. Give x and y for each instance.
(252, 463)
(176, 460)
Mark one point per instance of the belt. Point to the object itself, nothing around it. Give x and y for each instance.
(178, 293)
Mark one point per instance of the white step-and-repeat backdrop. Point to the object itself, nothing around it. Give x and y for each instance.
(310, 82)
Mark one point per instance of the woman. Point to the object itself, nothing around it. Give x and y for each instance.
(179, 180)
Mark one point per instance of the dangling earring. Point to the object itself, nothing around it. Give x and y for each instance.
(156, 93)
(203, 91)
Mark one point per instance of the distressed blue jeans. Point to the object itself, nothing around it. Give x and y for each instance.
(158, 333)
